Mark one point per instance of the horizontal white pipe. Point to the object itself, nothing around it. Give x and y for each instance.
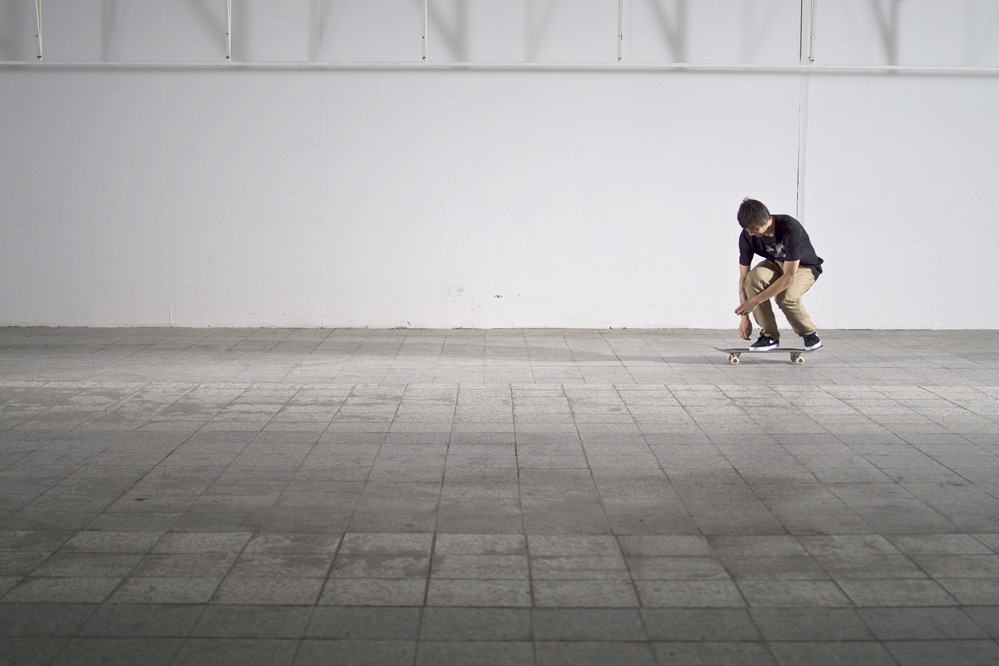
(512, 66)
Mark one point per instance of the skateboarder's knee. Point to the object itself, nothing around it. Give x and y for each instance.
(756, 282)
(787, 303)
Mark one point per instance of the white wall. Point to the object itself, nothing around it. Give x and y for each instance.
(484, 197)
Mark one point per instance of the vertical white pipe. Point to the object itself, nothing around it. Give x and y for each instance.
(38, 27)
(228, 30)
(803, 97)
(620, 30)
(424, 30)
(811, 42)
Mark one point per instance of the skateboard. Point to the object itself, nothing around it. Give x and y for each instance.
(734, 352)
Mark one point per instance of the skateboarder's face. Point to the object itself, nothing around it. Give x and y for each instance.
(765, 229)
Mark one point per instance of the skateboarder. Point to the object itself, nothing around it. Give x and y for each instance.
(789, 269)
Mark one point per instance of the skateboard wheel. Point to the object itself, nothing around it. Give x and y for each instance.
(733, 359)
(798, 359)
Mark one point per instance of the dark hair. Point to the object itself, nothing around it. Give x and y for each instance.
(752, 213)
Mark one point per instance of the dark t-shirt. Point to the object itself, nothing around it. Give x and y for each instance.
(790, 242)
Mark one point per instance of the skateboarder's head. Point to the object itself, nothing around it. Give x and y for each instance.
(753, 216)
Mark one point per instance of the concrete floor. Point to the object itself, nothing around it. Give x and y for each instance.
(218, 496)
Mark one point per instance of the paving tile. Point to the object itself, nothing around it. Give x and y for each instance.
(43, 620)
(479, 593)
(677, 568)
(356, 653)
(593, 654)
(478, 653)
(929, 653)
(990, 540)
(892, 624)
(756, 546)
(166, 590)
(128, 620)
(811, 624)
(848, 545)
(896, 592)
(972, 591)
(17, 564)
(236, 651)
(201, 542)
(112, 542)
(714, 654)
(293, 543)
(364, 623)
(282, 564)
(699, 625)
(476, 544)
(794, 593)
(575, 567)
(870, 566)
(480, 566)
(689, 594)
(374, 592)
(123, 651)
(774, 568)
(603, 624)
(31, 651)
(668, 545)
(476, 624)
(383, 556)
(84, 589)
(275, 589)
(206, 564)
(70, 564)
(573, 545)
(869, 653)
(959, 566)
(986, 617)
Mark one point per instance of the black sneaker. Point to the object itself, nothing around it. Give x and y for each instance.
(812, 342)
(764, 343)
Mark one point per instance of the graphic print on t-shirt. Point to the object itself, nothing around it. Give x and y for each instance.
(776, 251)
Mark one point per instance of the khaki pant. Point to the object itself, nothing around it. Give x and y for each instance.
(789, 300)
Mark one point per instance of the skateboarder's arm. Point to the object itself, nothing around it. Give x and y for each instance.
(745, 326)
(790, 269)
(743, 274)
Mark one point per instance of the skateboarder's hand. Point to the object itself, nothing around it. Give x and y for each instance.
(747, 306)
(745, 328)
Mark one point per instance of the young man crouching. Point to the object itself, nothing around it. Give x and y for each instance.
(789, 269)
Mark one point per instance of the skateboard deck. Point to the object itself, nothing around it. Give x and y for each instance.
(734, 352)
